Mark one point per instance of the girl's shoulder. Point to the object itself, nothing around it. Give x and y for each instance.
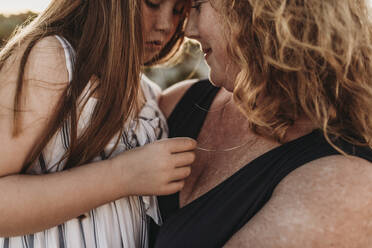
(44, 81)
(45, 64)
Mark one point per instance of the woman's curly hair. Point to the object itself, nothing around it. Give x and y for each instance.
(303, 57)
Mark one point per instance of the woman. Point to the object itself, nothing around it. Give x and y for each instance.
(284, 156)
(72, 101)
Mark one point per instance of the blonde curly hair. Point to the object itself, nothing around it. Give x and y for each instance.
(303, 57)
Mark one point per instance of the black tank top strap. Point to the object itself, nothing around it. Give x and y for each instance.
(210, 220)
(192, 108)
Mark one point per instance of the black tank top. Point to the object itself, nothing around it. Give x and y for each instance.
(211, 220)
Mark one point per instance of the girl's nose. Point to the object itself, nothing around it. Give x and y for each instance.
(165, 21)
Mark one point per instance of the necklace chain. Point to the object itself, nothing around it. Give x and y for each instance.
(215, 110)
(222, 150)
(205, 149)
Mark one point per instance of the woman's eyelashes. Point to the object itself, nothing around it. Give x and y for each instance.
(178, 10)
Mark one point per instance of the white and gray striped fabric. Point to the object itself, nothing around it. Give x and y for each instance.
(123, 223)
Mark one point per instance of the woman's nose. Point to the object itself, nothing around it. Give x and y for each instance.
(191, 30)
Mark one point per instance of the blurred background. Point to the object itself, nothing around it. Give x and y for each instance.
(15, 12)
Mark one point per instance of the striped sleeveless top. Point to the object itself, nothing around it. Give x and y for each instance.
(122, 223)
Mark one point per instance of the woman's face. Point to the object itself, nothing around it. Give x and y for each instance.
(205, 26)
(160, 19)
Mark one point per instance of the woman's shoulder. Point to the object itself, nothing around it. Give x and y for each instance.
(173, 95)
(330, 184)
(150, 88)
(325, 203)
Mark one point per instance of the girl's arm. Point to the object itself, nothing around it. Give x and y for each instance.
(31, 203)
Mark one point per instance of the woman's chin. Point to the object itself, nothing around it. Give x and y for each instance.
(221, 82)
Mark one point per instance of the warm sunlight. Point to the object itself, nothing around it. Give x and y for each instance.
(20, 6)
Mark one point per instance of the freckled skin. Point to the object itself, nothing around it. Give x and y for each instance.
(326, 203)
(159, 23)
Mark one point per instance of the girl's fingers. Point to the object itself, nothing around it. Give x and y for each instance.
(183, 159)
(177, 145)
(174, 187)
(181, 173)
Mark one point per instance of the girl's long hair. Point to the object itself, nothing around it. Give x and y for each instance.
(303, 57)
(107, 38)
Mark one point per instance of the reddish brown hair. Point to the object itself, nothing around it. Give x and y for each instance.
(303, 57)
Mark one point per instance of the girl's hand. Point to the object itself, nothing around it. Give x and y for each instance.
(159, 168)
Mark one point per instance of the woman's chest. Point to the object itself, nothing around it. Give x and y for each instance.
(218, 159)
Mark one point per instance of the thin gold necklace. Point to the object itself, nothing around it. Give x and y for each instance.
(214, 110)
(222, 150)
(219, 150)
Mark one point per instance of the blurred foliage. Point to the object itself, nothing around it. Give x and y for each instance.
(190, 63)
(9, 23)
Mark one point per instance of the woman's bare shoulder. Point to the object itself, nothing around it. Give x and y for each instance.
(325, 203)
(173, 95)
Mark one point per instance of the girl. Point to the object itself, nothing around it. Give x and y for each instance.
(72, 102)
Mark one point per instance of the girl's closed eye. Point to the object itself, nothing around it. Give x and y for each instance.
(153, 4)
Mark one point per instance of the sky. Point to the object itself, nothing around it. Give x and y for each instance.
(19, 6)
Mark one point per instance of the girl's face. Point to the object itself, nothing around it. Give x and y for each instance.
(160, 19)
(205, 25)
